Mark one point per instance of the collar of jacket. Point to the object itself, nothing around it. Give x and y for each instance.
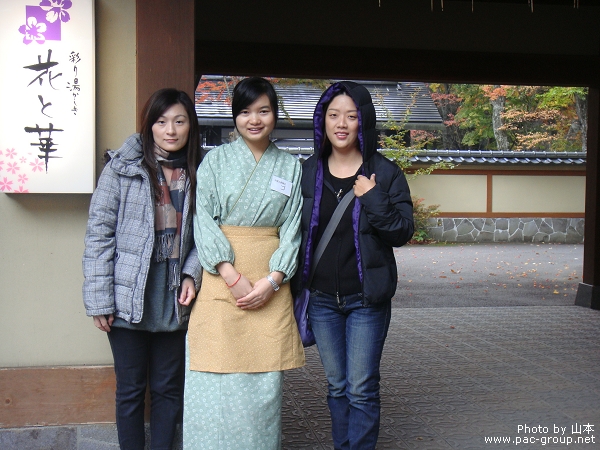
(127, 160)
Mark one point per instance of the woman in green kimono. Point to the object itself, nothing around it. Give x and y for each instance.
(242, 333)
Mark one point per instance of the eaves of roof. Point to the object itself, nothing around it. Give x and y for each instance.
(500, 157)
(475, 157)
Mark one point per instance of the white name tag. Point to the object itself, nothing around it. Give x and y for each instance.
(281, 185)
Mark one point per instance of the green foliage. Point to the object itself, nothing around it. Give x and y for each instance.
(474, 117)
(393, 142)
(561, 97)
(534, 117)
(539, 118)
(421, 215)
(394, 147)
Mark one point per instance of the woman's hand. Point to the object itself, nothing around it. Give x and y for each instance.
(363, 184)
(241, 288)
(188, 291)
(261, 293)
(103, 323)
(237, 283)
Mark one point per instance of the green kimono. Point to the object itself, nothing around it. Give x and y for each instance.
(221, 178)
(241, 408)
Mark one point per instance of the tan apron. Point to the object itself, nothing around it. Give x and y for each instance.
(223, 338)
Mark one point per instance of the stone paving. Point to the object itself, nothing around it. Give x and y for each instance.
(452, 377)
(505, 355)
(432, 276)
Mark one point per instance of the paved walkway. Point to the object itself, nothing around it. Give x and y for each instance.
(484, 343)
(452, 377)
(488, 275)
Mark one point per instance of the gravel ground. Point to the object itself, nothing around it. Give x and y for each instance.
(459, 275)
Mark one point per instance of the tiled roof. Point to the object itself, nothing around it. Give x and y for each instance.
(500, 157)
(474, 157)
(300, 101)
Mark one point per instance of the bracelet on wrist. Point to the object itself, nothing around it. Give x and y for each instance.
(235, 282)
(274, 284)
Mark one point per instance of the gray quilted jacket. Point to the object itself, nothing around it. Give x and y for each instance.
(120, 238)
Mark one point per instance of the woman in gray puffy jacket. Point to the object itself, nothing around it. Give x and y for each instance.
(140, 264)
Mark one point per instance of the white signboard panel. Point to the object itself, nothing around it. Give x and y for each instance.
(47, 113)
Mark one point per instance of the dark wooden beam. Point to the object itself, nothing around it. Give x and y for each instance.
(316, 61)
(588, 293)
(165, 47)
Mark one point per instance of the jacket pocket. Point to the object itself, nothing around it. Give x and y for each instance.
(127, 269)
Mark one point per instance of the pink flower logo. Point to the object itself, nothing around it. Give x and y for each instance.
(37, 165)
(56, 9)
(23, 178)
(5, 185)
(23, 160)
(10, 153)
(21, 190)
(33, 31)
(12, 168)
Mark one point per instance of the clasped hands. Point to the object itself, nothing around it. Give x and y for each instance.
(247, 295)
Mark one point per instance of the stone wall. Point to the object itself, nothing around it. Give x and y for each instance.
(565, 231)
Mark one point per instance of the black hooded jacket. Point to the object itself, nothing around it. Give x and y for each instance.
(382, 217)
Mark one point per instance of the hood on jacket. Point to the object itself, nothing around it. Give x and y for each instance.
(367, 134)
(367, 137)
(129, 155)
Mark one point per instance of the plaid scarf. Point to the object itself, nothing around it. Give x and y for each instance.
(169, 210)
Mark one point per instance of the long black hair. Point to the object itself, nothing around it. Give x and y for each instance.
(155, 107)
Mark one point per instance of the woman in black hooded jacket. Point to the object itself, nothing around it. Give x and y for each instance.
(356, 277)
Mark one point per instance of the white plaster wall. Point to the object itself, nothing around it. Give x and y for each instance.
(465, 193)
(528, 194)
(42, 319)
(560, 194)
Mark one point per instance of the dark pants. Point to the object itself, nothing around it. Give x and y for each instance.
(157, 359)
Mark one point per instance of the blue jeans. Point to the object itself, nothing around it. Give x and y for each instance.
(157, 359)
(350, 338)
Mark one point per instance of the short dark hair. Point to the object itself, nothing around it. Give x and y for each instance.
(248, 90)
(156, 105)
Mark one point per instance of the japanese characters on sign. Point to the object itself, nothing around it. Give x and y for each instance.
(47, 133)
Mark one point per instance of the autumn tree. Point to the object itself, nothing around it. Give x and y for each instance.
(214, 90)
(474, 117)
(495, 117)
(497, 96)
(572, 103)
(448, 102)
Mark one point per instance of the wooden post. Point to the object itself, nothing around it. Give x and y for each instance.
(165, 47)
(588, 292)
